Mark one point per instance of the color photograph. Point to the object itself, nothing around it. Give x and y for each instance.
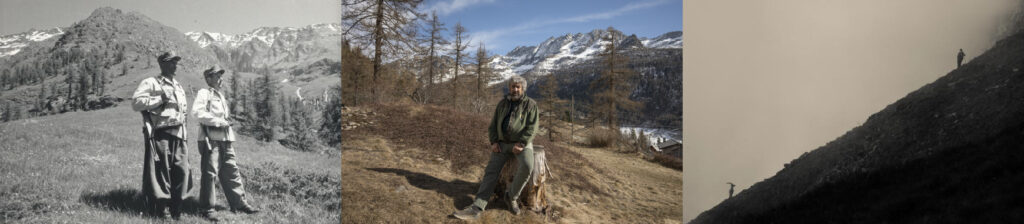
(512, 111)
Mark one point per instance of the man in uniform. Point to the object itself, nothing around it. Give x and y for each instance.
(511, 135)
(162, 102)
(215, 137)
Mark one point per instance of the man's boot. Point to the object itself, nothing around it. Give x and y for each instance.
(246, 209)
(468, 213)
(211, 215)
(160, 209)
(513, 205)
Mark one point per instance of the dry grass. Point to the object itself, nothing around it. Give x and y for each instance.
(394, 175)
(85, 167)
(459, 138)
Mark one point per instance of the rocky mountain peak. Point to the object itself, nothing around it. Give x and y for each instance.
(569, 49)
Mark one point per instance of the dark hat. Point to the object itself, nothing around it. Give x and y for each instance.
(168, 57)
(213, 70)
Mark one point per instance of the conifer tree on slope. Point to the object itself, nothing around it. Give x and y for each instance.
(614, 85)
(389, 25)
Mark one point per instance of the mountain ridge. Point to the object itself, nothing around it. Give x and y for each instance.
(573, 48)
(276, 48)
(13, 43)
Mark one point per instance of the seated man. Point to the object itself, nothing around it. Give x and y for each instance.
(511, 134)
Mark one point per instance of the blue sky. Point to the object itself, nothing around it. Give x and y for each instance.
(503, 25)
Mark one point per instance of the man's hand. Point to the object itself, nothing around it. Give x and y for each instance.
(494, 147)
(220, 123)
(517, 148)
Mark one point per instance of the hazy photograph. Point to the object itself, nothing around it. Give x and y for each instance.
(853, 111)
(511, 111)
(117, 111)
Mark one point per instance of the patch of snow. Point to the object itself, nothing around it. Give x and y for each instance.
(655, 134)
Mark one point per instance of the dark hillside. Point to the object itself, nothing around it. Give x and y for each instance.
(925, 156)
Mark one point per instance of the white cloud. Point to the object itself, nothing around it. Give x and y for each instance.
(489, 36)
(448, 7)
(614, 13)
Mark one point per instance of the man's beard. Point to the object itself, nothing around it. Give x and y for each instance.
(514, 97)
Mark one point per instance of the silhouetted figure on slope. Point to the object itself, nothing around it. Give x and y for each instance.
(960, 58)
(731, 186)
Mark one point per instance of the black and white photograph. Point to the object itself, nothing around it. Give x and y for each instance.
(118, 111)
(802, 111)
(497, 111)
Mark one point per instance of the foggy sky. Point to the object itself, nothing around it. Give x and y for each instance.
(223, 16)
(765, 81)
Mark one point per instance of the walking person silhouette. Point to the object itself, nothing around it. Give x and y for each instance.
(960, 58)
(731, 186)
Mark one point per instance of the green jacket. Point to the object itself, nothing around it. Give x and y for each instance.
(522, 124)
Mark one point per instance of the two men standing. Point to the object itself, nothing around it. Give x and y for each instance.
(166, 174)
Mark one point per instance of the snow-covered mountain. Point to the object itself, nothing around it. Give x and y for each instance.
(667, 40)
(570, 49)
(13, 43)
(277, 48)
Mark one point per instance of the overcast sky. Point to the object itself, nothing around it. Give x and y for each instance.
(765, 81)
(503, 25)
(223, 16)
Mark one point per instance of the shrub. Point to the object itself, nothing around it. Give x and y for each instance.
(668, 161)
(601, 138)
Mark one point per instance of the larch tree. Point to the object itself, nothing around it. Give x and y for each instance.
(434, 41)
(614, 85)
(388, 25)
(458, 52)
(354, 71)
(484, 75)
(550, 102)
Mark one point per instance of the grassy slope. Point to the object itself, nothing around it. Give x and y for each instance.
(969, 113)
(401, 168)
(86, 167)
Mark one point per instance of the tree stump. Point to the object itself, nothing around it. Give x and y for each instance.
(533, 196)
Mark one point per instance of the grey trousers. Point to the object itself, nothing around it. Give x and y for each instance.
(218, 162)
(166, 178)
(494, 166)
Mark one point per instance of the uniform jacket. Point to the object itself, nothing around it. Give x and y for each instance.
(166, 117)
(211, 109)
(522, 124)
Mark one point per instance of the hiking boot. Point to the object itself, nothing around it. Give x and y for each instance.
(164, 214)
(161, 210)
(513, 206)
(209, 215)
(246, 209)
(468, 213)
